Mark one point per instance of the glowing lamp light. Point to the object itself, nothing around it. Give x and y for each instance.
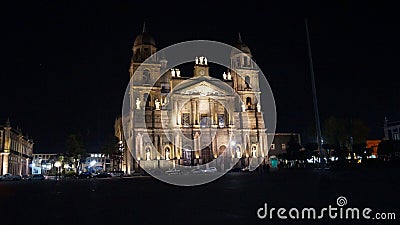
(57, 164)
(92, 163)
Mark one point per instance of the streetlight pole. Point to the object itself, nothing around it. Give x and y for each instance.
(315, 100)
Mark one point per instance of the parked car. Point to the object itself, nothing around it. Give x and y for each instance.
(172, 171)
(117, 173)
(197, 170)
(85, 175)
(37, 177)
(9, 176)
(210, 170)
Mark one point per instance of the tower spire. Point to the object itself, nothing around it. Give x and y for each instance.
(144, 27)
(240, 38)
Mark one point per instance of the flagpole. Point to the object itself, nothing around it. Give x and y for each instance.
(314, 91)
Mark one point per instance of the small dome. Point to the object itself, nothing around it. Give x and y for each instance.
(144, 39)
(242, 47)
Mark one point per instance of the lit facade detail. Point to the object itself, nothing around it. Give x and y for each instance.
(15, 151)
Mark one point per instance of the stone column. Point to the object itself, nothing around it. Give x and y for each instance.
(137, 149)
(1, 164)
(216, 112)
(5, 163)
(261, 145)
(176, 111)
(211, 108)
(142, 153)
(197, 112)
(161, 144)
(193, 111)
(179, 113)
(155, 143)
(128, 162)
(180, 146)
(177, 146)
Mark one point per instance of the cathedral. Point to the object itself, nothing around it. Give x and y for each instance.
(192, 119)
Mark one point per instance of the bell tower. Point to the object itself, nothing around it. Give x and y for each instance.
(144, 70)
(245, 76)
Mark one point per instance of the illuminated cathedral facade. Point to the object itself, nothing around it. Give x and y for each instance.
(206, 116)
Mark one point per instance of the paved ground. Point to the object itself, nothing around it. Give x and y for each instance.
(233, 199)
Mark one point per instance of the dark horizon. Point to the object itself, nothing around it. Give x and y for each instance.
(65, 65)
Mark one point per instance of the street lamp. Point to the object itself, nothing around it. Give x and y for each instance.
(58, 165)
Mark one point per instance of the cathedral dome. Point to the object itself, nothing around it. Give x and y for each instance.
(144, 39)
(241, 46)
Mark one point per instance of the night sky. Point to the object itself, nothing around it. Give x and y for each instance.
(64, 65)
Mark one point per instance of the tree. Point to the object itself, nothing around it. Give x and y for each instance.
(344, 134)
(359, 131)
(76, 150)
(335, 132)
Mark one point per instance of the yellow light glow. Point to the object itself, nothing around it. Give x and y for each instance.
(57, 164)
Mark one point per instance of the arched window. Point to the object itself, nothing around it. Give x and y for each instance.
(238, 62)
(237, 152)
(148, 154)
(247, 80)
(248, 102)
(253, 151)
(147, 98)
(146, 76)
(206, 154)
(187, 152)
(167, 153)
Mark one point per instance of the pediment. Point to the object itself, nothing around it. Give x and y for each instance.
(203, 88)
